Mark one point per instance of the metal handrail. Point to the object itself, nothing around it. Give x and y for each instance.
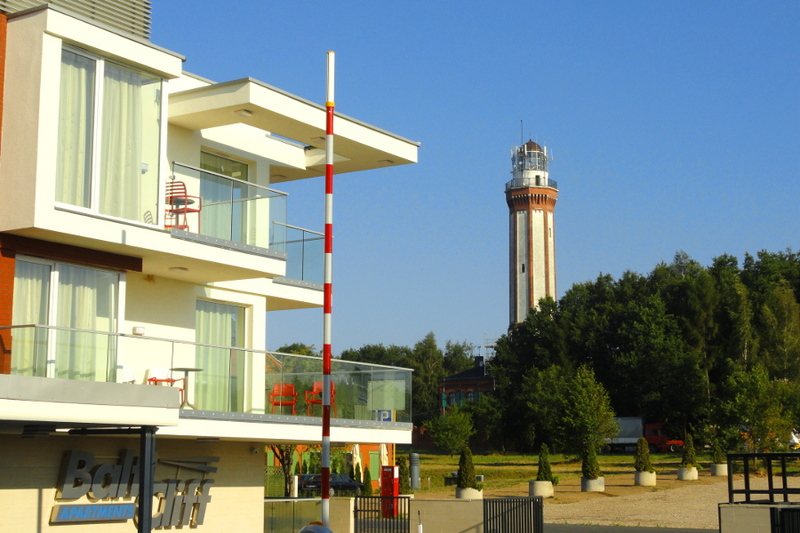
(229, 178)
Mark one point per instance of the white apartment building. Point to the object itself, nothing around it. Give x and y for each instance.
(143, 241)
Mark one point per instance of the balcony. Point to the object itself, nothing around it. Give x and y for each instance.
(526, 182)
(231, 213)
(217, 382)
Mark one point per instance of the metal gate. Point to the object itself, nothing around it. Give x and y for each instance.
(381, 514)
(513, 515)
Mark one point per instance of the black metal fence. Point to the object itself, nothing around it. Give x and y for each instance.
(773, 466)
(381, 514)
(785, 520)
(513, 515)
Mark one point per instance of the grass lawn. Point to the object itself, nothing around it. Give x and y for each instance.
(508, 474)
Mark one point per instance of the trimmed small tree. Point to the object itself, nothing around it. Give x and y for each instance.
(544, 472)
(641, 461)
(689, 457)
(405, 476)
(367, 483)
(590, 467)
(357, 472)
(717, 455)
(466, 471)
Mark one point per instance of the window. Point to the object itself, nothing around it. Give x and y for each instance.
(219, 331)
(80, 307)
(108, 138)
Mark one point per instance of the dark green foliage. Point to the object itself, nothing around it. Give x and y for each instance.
(405, 475)
(689, 457)
(466, 471)
(357, 472)
(718, 456)
(588, 418)
(367, 483)
(299, 348)
(544, 472)
(590, 467)
(641, 462)
(451, 431)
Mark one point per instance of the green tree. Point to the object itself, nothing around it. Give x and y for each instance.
(544, 472)
(486, 416)
(458, 356)
(689, 457)
(451, 431)
(368, 491)
(588, 417)
(641, 462)
(466, 471)
(427, 361)
(405, 476)
(590, 467)
(299, 348)
(284, 454)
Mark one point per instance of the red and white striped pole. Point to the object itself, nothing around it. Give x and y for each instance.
(327, 297)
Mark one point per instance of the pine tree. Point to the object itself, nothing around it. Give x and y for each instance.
(590, 468)
(544, 473)
(466, 471)
(367, 483)
(689, 457)
(641, 461)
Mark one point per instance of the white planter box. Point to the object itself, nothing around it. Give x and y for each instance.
(719, 470)
(687, 473)
(593, 485)
(644, 479)
(469, 494)
(540, 488)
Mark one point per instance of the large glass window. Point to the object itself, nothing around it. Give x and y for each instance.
(109, 138)
(75, 312)
(219, 331)
(225, 202)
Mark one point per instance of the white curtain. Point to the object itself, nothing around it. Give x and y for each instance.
(219, 386)
(87, 300)
(121, 157)
(31, 295)
(74, 158)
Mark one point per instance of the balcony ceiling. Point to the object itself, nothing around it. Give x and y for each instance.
(358, 146)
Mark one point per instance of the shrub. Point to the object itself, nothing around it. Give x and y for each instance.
(466, 471)
(367, 483)
(717, 455)
(405, 476)
(689, 457)
(590, 468)
(544, 472)
(357, 473)
(641, 461)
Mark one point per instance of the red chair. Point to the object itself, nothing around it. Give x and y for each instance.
(162, 376)
(179, 204)
(283, 395)
(314, 397)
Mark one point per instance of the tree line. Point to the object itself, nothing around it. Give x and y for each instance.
(713, 351)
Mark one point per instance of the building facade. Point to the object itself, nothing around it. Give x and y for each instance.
(531, 197)
(143, 248)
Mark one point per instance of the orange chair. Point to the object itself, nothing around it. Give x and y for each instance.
(314, 397)
(162, 376)
(283, 395)
(179, 204)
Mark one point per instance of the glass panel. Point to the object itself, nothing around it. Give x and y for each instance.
(74, 159)
(130, 144)
(31, 295)
(225, 202)
(86, 300)
(221, 382)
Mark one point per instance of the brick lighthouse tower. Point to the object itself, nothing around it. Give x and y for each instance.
(531, 197)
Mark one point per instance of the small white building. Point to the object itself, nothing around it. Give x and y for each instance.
(142, 243)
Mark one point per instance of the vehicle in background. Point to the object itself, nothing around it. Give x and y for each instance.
(341, 484)
(630, 431)
(659, 440)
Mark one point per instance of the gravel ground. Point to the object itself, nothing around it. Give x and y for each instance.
(671, 504)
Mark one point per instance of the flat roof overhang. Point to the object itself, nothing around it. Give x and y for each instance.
(357, 146)
(65, 404)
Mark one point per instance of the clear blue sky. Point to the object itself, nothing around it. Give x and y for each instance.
(674, 125)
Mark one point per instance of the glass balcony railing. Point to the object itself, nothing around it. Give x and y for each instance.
(231, 210)
(304, 254)
(213, 378)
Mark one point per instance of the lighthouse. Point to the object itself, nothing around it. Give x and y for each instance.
(531, 197)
